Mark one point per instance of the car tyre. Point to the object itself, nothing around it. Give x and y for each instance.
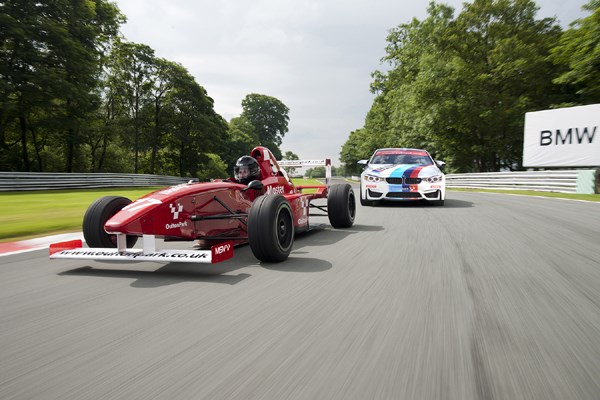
(341, 205)
(271, 228)
(365, 202)
(100, 211)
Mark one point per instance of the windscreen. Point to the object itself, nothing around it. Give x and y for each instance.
(398, 156)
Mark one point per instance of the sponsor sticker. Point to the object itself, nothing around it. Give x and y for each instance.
(303, 202)
(396, 152)
(221, 252)
(275, 190)
(176, 225)
(176, 209)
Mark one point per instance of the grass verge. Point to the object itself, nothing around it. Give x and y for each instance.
(30, 214)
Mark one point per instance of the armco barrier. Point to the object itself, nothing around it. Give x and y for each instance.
(564, 181)
(585, 181)
(22, 181)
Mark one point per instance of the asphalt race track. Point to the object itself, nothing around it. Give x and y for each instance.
(489, 297)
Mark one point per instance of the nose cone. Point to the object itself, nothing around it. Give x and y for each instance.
(129, 219)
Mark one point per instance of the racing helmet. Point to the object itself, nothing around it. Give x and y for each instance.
(246, 169)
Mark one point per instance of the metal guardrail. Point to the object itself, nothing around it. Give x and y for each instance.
(23, 181)
(564, 181)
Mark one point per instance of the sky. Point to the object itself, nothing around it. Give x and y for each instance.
(316, 56)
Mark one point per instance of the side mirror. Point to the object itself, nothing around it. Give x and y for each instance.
(440, 164)
(362, 162)
(255, 185)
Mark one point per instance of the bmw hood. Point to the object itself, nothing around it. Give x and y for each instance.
(402, 171)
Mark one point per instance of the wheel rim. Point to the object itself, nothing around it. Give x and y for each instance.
(352, 205)
(285, 230)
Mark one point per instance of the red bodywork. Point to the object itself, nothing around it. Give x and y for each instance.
(214, 210)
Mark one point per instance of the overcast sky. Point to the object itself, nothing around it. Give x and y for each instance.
(316, 56)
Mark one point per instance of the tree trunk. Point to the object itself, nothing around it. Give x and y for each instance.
(36, 146)
(156, 140)
(103, 152)
(24, 154)
(70, 149)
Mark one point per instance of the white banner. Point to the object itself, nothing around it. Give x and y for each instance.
(565, 137)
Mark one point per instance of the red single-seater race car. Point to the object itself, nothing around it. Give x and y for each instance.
(265, 213)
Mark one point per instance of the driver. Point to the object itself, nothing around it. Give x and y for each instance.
(246, 170)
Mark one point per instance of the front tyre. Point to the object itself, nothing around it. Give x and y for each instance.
(439, 202)
(341, 205)
(271, 228)
(365, 202)
(100, 211)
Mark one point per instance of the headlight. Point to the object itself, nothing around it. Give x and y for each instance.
(433, 179)
(372, 178)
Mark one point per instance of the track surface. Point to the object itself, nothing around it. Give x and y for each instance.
(490, 297)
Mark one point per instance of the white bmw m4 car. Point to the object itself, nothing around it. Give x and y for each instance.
(402, 175)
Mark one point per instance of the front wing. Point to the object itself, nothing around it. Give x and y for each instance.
(74, 250)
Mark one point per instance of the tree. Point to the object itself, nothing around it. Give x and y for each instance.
(354, 149)
(578, 51)
(241, 139)
(197, 132)
(131, 67)
(269, 117)
(49, 68)
(316, 172)
(459, 87)
(289, 155)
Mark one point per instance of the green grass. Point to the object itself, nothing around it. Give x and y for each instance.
(572, 196)
(30, 214)
(307, 181)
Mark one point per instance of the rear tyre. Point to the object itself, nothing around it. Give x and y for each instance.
(100, 211)
(271, 228)
(341, 205)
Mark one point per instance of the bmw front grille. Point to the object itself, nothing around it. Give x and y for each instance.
(403, 181)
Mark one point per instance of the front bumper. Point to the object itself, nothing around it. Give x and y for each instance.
(422, 191)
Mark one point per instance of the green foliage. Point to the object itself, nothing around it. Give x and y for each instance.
(213, 167)
(359, 146)
(74, 97)
(289, 155)
(241, 139)
(316, 172)
(578, 53)
(269, 119)
(49, 68)
(460, 86)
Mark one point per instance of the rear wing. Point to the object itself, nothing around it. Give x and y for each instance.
(310, 163)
